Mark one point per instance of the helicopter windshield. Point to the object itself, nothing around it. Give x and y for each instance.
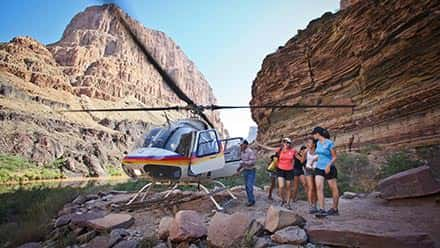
(174, 140)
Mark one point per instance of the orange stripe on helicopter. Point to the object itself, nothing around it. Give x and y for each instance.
(168, 161)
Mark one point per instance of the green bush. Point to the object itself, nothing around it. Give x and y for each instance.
(114, 171)
(398, 162)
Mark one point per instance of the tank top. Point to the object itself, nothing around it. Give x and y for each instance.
(311, 162)
(285, 161)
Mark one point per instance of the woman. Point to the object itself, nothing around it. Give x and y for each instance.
(284, 169)
(325, 170)
(298, 172)
(309, 172)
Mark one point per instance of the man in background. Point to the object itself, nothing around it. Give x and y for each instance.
(247, 166)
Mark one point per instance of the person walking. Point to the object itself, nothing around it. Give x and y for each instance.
(325, 170)
(247, 166)
(298, 172)
(284, 169)
(309, 172)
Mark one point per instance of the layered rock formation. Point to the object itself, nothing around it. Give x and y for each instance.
(94, 65)
(382, 56)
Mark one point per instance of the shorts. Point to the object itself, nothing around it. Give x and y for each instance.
(309, 172)
(288, 175)
(298, 172)
(332, 175)
(273, 174)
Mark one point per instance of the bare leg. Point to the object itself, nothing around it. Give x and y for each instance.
(335, 192)
(281, 187)
(319, 181)
(288, 191)
(302, 179)
(295, 187)
(272, 186)
(311, 192)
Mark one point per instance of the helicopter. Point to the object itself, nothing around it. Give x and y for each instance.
(187, 151)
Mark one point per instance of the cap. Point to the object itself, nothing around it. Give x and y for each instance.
(287, 140)
(244, 142)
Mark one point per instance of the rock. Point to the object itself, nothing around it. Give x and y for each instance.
(286, 246)
(410, 183)
(111, 221)
(161, 245)
(164, 227)
(127, 244)
(368, 233)
(263, 242)
(349, 195)
(343, 4)
(86, 237)
(323, 64)
(62, 220)
(99, 241)
(277, 218)
(256, 228)
(290, 235)
(187, 225)
(82, 219)
(79, 200)
(226, 230)
(30, 245)
(90, 197)
(117, 235)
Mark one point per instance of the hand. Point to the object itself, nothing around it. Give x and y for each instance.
(327, 169)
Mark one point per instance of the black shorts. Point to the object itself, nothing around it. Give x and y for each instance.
(298, 172)
(332, 175)
(288, 175)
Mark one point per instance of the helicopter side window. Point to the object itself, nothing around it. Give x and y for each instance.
(232, 149)
(207, 144)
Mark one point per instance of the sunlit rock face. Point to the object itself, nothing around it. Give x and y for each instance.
(382, 56)
(94, 65)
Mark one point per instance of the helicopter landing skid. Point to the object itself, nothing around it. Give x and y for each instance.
(146, 189)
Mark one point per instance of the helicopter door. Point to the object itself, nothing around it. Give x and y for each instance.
(232, 158)
(207, 153)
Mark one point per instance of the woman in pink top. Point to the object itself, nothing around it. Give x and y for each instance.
(286, 155)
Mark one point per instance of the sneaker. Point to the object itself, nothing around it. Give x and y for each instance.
(283, 204)
(321, 213)
(288, 206)
(313, 210)
(333, 211)
(250, 204)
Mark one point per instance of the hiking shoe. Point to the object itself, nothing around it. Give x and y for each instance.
(288, 206)
(313, 210)
(321, 213)
(333, 211)
(250, 204)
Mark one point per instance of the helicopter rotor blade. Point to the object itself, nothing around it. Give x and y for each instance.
(165, 76)
(217, 107)
(177, 108)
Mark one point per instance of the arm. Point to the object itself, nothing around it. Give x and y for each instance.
(327, 168)
(274, 149)
(300, 157)
(249, 160)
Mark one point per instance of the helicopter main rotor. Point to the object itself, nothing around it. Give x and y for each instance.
(191, 106)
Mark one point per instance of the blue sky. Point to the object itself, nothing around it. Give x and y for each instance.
(226, 39)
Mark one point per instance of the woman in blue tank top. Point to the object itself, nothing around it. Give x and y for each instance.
(325, 170)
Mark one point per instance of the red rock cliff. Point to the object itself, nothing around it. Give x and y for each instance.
(383, 56)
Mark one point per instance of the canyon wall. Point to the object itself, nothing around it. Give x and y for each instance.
(382, 56)
(94, 65)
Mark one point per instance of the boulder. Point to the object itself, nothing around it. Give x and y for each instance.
(79, 200)
(368, 233)
(30, 245)
(277, 218)
(163, 230)
(110, 222)
(410, 183)
(263, 242)
(86, 237)
(127, 244)
(290, 235)
(187, 225)
(99, 241)
(117, 235)
(82, 219)
(256, 228)
(226, 230)
(349, 195)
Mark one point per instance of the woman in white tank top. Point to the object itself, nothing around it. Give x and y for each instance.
(309, 172)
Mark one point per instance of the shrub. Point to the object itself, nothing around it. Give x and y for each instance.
(397, 162)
